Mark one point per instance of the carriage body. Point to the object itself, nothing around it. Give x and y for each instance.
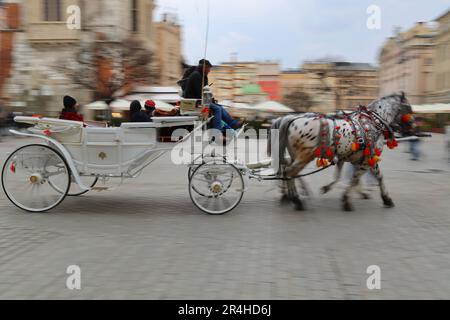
(100, 151)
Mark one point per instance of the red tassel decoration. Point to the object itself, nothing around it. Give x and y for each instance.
(378, 152)
(367, 152)
(355, 147)
(329, 153)
(395, 143)
(317, 153)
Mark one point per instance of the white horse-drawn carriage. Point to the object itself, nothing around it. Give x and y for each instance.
(75, 159)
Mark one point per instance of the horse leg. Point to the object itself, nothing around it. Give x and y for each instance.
(294, 195)
(361, 191)
(285, 196)
(306, 191)
(337, 176)
(387, 201)
(347, 206)
(292, 171)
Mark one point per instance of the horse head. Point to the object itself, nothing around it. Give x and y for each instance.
(396, 111)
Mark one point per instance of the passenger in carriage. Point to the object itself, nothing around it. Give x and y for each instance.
(71, 110)
(136, 113)
(150, 108)
(194, 88)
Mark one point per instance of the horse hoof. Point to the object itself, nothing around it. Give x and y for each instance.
(365, 196)
(285, 199)
(299, 205)
(326, 189)
(388, 203)
(348, 207)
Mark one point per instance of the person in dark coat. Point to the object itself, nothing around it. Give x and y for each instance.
(70, 110)
(194, 89)
(136, 113)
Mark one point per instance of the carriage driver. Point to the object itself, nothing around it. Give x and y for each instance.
(194, 86)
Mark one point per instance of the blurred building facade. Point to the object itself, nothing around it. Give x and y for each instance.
(9, 27)
(168, 50)
(440, 82)
(247, 81)
(330, 85)
(406, 63)
(39, 50)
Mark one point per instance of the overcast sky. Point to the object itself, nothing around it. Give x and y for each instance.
(292, 31)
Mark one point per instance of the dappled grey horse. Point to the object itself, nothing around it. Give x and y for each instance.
(357, 138)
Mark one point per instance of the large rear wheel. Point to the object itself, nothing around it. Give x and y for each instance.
(26, 175)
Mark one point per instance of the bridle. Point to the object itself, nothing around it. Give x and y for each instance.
(380, 123)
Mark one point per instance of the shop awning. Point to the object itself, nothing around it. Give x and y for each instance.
(432, 108)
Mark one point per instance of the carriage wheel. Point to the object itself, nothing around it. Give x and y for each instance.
(26, 174)
(216, 187)
(75, 191)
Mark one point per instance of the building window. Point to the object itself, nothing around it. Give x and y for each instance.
(134, 16)
(52, 10)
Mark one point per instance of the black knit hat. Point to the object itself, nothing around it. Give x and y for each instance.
(135, 106)
(69, 102)
(204, 62)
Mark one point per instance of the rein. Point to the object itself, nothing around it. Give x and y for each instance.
(277, 178)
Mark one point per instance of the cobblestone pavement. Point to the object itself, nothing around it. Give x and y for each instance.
(146, 240)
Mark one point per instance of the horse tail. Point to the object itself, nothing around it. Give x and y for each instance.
(275, 125)
(282, 125)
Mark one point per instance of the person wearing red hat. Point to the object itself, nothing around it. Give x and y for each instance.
(150, 107)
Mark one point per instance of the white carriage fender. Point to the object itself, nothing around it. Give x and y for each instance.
(64, 153)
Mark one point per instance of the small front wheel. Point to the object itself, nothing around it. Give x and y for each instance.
(26, 175)
(216, 187)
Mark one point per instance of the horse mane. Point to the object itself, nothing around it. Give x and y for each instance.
(400, 96)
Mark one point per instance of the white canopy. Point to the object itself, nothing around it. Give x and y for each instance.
(123, 105)
(432, 108)
(240, 105)
(272, 107)
(97, 105)
(120, 105)
(161, 105)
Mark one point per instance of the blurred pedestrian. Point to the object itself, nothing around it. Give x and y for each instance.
(71, 110)
(447, 138)
(136, 113)
(414, 149)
